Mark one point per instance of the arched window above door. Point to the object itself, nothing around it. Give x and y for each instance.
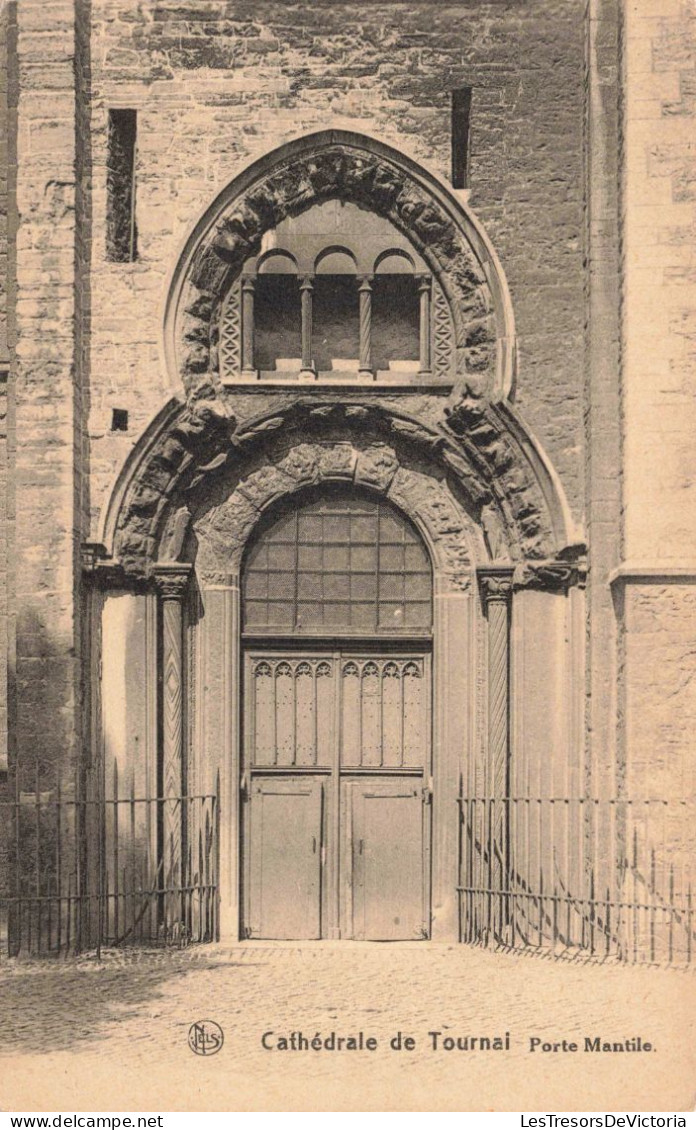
(337, 563)
(336, 293)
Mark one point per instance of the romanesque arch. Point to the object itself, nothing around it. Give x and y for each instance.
(457, 461)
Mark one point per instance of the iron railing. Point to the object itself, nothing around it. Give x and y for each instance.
(608, 878)
(78, 875)
(585, 876)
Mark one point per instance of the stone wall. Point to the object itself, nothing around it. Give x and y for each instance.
(8, 170)
(602, 369)
(659, 395)
(48, 463)
(659, 292)
(218, 84)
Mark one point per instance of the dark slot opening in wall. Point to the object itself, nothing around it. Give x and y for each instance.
(336, 322)
(461, 122)
(395, 320)
(119, 420)
(121, 231)
(277, 319)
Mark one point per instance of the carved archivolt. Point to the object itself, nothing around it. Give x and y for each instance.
(206, 475)
(222, 531)
(350, 172)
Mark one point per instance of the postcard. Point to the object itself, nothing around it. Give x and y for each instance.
(347, 556)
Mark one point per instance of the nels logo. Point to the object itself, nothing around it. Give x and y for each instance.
(205, 1037)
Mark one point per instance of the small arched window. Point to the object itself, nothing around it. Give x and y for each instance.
(339, 563)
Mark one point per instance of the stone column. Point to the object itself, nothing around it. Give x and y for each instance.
(365, 292)
(496, 590)
(172, 582)
(248, 286)
(424, 289)
(221, 733)
(306, 292)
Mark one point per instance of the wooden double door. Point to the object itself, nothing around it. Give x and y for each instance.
(336, 795)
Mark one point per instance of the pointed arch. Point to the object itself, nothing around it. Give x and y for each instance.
(340, 164)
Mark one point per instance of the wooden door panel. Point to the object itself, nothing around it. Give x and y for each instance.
(385, 717)
(336, 752)
(289, 712)
(284, 839)
(384, 874)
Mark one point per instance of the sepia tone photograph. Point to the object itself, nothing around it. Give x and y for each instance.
(347, 555)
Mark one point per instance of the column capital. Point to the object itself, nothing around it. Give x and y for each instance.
(248, 282)
(306, 282)
(365, 282)
(425, 282)
(172, 579)
(496, 583)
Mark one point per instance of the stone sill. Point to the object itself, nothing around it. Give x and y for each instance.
(342, 382)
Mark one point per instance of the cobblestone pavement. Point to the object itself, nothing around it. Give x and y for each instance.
(112, 1035)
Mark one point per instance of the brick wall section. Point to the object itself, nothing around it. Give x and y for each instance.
(83, 309)
(659, 300)
(661, 689)
(4, 158)
(220, 83)
(47, 528)
(659, 390)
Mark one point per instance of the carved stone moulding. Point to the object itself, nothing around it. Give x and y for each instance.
(551, 576)
(373, 178)
(202, 458)
(222, 531)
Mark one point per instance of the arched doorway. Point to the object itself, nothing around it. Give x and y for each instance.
(407, 414)
(336, 751)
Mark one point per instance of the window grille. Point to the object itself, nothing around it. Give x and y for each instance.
(338, 564)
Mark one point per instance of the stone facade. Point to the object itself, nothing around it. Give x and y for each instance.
(659, 407)
(550, 451)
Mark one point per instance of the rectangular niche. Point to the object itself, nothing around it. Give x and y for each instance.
(277, 337)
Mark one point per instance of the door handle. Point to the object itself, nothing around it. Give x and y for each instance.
(314, 845)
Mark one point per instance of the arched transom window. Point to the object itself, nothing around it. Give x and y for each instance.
(338, 564)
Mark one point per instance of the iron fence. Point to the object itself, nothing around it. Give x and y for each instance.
(78, 875)
(585, 876)
(606, 878)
